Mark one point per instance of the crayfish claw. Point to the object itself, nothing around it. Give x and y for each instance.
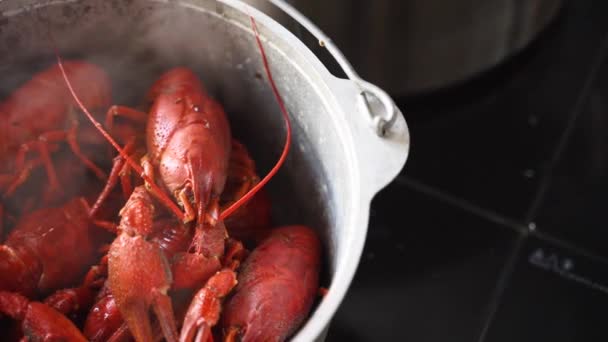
(136, 291)
(138, 321)
(164, 312)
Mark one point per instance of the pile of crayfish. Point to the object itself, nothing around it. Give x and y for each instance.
(142, 223)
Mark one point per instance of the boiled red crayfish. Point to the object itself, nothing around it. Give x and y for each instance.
(39, 322)
(40, 114)
(35, 258)
(276, 288)
(188, 146)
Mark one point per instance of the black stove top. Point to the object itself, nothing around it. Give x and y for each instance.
(497, 228)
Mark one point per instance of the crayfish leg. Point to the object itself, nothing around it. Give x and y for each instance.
(43, 145)
(190, 211)
(235, 254)
(115, 175)
(205, 310)
(190, 272)
(72, 139)
(125, 112)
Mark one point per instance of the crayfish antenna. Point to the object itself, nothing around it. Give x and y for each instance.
(157, 191)
(243, 200)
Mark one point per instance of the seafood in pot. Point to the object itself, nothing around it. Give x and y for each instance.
(189, 249)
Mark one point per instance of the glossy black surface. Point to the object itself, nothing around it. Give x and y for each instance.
(510, 162)
(426, 278)
(489, 141)
(553, 295)
(576, 203)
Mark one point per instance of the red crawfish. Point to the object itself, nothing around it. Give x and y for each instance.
(40, 114)
(188, 146)
(34, 256)
(277, 285)
(39, 322)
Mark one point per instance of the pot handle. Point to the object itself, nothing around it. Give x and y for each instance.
(381, 118)
(383, 148)
(380, 157)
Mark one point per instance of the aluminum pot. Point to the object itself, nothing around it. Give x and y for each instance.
(338, 160)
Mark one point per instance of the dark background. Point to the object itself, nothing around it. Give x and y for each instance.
(496, 228)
